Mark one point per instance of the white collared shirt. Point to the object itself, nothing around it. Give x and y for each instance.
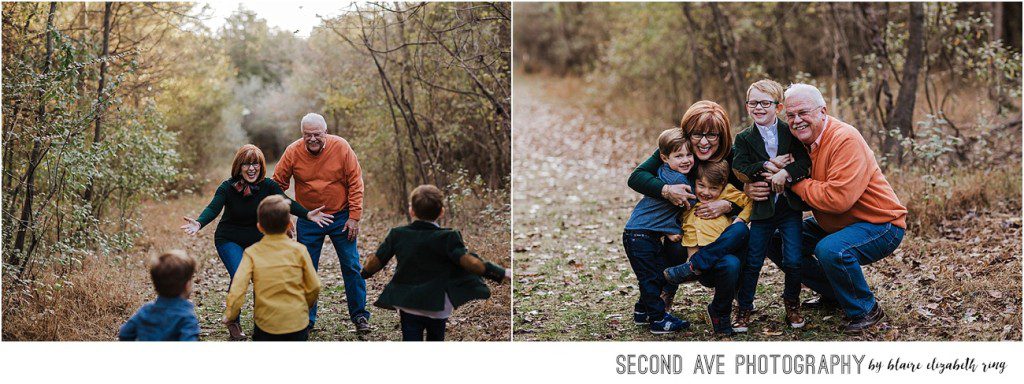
(770, 134)
(822, 133)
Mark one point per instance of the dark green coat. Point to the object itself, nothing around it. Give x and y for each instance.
(749, 156)
(428, 267)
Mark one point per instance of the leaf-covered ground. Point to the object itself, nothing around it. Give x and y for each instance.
(477, 321)
(573, 281)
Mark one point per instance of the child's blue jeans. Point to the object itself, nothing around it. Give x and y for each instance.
(788, 223)
(413, 327)
(645, 252)
(730, 242)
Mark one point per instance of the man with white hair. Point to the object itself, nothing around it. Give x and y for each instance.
(858, 219)
(327, 174)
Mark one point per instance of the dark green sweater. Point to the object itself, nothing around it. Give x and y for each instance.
(238, 225)
(644, 178)
(750, 156)
(428, 268)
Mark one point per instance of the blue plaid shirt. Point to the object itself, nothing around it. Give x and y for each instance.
(163, 319)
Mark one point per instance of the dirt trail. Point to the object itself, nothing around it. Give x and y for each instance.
(479, 320)
(573, 281)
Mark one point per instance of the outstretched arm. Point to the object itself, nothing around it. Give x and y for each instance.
(477, 266)
(211, 211)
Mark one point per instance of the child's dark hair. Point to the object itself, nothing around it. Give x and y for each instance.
(715, 173)
(671, 140)
(272, 214)
(426, 201)
(171, 272)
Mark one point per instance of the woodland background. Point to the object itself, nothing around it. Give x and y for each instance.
(119, 118)
(934, 88)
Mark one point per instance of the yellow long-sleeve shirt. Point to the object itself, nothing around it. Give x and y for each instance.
(699, 232)
(285, 285)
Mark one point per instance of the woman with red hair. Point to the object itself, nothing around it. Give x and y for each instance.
(706, 125)
(238, 197)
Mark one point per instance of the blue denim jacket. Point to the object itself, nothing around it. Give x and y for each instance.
(659, 214)
(163, 319)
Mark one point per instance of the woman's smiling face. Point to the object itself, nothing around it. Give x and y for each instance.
(250, 172)
(705, 144)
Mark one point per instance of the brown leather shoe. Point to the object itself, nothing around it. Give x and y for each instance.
(863, 323)
(742, 322)
(793, 316)
(235, 331)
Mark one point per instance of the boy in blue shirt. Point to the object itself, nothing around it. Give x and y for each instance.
(171, 316)
(652, 222)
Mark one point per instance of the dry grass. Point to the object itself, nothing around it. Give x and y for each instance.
(97, 298)
(956, 276)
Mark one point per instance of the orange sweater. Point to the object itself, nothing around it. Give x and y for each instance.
(846, 185)
(332, 178)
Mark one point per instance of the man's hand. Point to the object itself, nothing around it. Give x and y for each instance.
(677, 194)
(352, 227)
(758, 191)
(779, 181)
(713, 209)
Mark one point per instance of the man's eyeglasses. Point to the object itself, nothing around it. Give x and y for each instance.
(712, 137)
(763, 103)
(804, 115)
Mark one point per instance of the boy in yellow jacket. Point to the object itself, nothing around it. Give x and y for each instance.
(285, 284)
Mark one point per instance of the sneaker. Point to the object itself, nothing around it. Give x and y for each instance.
(641, 318)
(743, 320)
(362, 325)
(721, 324)
(863, 323)
(235, 332)
(668, 298)
(669, 324)
(793, 316)
(681, 273)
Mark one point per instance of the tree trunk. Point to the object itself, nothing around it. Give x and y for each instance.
(698, 75)
(100, 100)
(26, 220)
(725, 38)
(902, 116)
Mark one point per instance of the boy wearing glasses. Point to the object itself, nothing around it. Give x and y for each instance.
(768, 151)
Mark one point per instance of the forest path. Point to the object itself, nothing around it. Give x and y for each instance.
(573, 281)
(478, 320)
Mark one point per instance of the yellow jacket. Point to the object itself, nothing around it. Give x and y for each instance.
(699, 232)
(285, 285)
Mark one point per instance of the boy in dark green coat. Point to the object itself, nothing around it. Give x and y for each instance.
(435, 272)
(768, 151)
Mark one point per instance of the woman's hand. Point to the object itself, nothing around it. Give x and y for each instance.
(320, 218)
(191, 226)
(758, 191)
(713, 209)
(677, 194)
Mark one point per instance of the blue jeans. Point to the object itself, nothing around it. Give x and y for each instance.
(722, 276)
(761, 232)
(644, 249)
(231, 255)
(312, 236)
(413, 327)
(730, 242)
(835, 270)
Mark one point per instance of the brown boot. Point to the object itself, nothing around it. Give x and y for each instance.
(742, 322)
(235, 331)
(793, 316)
